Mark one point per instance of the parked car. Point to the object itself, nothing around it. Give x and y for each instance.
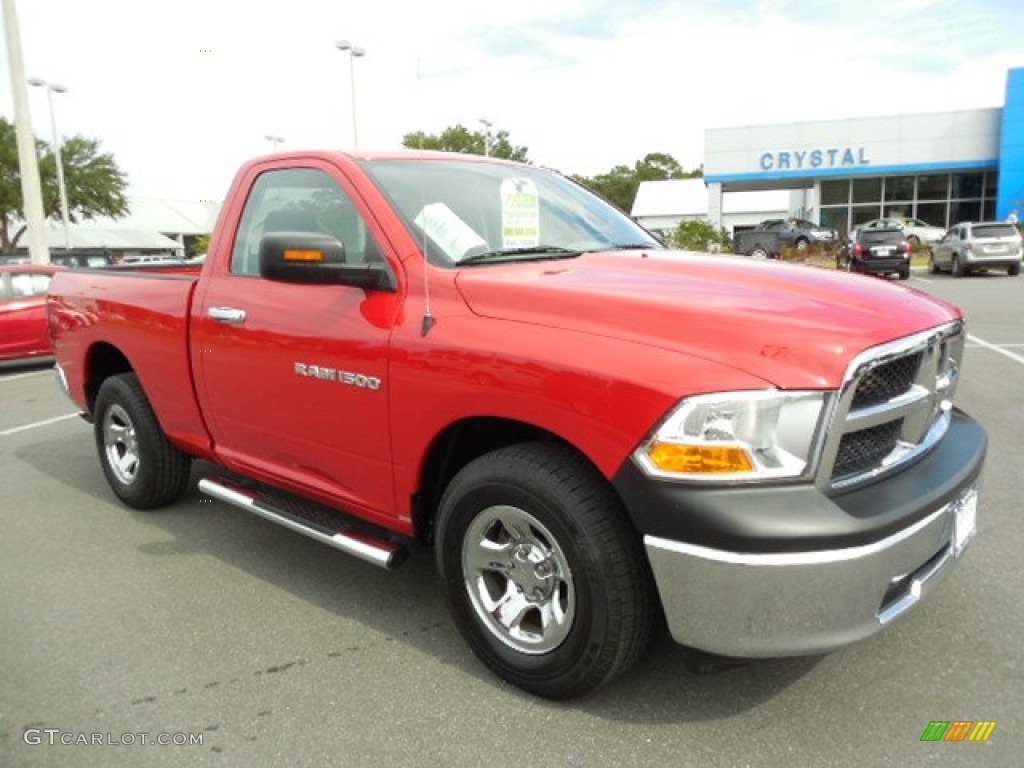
(799, 233)
(23, 330)
(877, 251)
(971, 246)
(915, 230)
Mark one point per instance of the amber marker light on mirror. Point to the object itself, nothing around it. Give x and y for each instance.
(303, 256)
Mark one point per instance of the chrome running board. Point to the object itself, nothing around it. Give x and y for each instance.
(318, 523)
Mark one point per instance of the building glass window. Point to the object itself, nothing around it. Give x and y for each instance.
(991, 184)
(935, 187)
(864, 213)
(933, 213)
(835, 218)
(965, 210)
(835, 192)
(967, 185)
(867, 190)
(989, 210)
(899, 188)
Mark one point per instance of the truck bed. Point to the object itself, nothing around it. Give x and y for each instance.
(138, 317)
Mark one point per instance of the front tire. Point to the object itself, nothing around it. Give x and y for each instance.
(1013, 270)
(141, 466)
(759, 253)
(543, 572)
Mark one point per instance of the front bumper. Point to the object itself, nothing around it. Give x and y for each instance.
(789, 571)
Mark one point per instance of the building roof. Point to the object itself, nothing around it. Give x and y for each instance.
(115, 238)
(179, 217)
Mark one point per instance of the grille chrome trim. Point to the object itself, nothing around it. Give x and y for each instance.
(923, 406)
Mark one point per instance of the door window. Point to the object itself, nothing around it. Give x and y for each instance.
(300, 200)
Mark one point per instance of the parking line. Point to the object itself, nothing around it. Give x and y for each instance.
(15, 377)
(989, 345)
(43, 423)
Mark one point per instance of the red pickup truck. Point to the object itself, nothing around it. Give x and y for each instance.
(592, 431)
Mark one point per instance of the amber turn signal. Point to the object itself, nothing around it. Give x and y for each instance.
(699, 459)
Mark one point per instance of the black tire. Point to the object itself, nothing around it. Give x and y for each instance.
(933, 268)
(759, 253)
(957, 269)
(802, 243)
(582, 611)
(141, 466)
(904, 273)
(1013, 270)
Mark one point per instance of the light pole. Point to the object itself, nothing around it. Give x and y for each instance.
(52, 88)
(275, 141)
(487, 124)
(354, 52)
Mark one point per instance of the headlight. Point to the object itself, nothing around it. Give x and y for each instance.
(732, 436)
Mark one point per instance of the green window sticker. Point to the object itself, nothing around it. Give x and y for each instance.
(520, 214)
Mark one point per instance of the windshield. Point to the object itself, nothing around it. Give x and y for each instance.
(474, 212)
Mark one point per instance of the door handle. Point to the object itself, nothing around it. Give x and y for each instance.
(228, 315)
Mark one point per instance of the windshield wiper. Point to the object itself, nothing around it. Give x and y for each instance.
(632, 246)
(554, 251)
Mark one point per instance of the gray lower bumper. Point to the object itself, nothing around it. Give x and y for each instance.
(787, 604)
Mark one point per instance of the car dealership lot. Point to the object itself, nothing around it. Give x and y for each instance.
(200, 619)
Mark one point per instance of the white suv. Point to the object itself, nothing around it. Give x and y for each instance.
(971, 246)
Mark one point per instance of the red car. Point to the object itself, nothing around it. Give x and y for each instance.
(23, 290)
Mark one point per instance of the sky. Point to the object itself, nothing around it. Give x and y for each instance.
(182, 92)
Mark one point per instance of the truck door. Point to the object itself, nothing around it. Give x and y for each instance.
(293, 379)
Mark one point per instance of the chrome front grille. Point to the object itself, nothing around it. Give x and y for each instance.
(894, 405)
(886, 380)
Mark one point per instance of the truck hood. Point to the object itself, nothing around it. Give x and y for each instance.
(793, 326)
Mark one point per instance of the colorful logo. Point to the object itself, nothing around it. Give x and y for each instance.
(958, 730)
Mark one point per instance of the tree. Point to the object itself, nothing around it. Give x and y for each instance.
(698, 235)
(95, 185)
(458, 138)
(619, 185)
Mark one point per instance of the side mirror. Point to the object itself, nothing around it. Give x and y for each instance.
(313, 258)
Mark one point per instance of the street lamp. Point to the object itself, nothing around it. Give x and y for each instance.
(275, 141)
(52, 88)
(487, 124)
(354, 52)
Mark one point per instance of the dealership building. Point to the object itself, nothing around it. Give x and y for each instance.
(942, 167)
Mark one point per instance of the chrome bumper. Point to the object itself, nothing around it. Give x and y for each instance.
(790, 604)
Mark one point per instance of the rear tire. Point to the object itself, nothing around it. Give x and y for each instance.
(759, 253)
(905, 273)
(1013, 270)
(141, 466)
(957, 270)
(543, 572)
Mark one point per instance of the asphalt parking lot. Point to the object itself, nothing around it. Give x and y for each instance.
(200, 621)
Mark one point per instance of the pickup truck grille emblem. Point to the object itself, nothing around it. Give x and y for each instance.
(350, 378)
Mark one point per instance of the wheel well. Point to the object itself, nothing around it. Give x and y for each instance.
(103, 362)
(459, 444)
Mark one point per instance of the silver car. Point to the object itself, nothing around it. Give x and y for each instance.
(971, 246)
(916, 231)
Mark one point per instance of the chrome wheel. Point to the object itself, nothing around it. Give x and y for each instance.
(518, 580)
(120, 444)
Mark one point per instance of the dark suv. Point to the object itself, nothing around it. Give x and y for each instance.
(879, 252)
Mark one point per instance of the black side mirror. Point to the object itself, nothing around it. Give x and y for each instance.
(313, 258)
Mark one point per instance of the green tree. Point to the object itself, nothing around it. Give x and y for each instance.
(458, 138)
(619, 185)
(697, 235)
(94, 183)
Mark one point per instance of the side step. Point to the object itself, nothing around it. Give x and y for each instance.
(309, 519)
